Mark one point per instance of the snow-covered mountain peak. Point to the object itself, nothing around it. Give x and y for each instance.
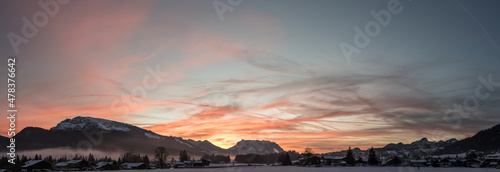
(255, 146)
(79, 123)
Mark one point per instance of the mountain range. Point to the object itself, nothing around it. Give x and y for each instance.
(420, 144)
(111, 136)
(487, 141)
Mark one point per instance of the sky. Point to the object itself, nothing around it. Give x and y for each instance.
(274, 70)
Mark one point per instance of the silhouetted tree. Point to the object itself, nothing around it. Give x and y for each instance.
(286, 160)
(91, 158)
(308, 152)
(23, 160)
(62, 159)
(161, 155)
(145, 159)
(18, 161)
(3, 162)
(131, 157)
(372, 157)
(183, 156)
(349, 158)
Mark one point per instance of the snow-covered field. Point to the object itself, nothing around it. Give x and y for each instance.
(326, 169)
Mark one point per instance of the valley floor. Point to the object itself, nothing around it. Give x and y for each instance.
(325, 169)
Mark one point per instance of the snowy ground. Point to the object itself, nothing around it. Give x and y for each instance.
(326, 169)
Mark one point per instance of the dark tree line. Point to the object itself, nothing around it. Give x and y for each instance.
(372, 157)
(183, 156)
(21, 159)
(349, 158)
(217, 158)
(283, 158)
(160, 156)
(133, 157)
(310, 158)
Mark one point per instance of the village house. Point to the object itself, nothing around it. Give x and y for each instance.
(491, 161)
(473, 163)
(332, 160)
(79, 165)
(206, 162)
(361, 162)
(62, 166)
(36, 166)
(106, 166)
(198, 164)
(154, 165)
(313, 160)
(129, 166)
(188, 164)
(179, 164)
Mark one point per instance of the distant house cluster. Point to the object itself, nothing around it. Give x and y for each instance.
(471, 159)
(75, 165)
(36, 166)
(128, 161)
(192, 164)
(83, 165)
(326, 160)
(354, 157)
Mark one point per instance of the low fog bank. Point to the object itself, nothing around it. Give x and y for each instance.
(68, 152)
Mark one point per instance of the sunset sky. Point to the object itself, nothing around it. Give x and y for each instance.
(269, 70)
